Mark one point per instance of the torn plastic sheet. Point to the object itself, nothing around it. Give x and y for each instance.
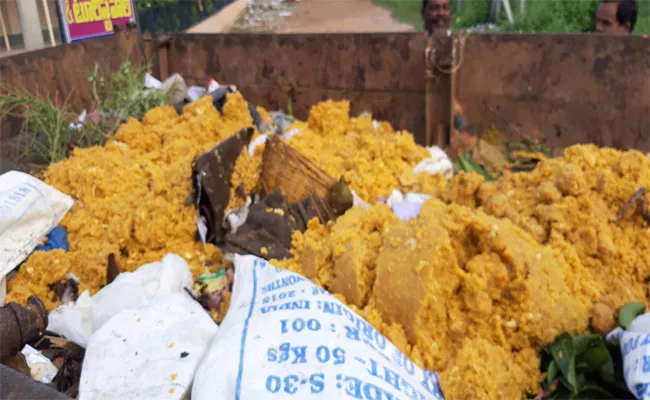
(237, 217)
(406, 206)
(438, 162)
(40, 367)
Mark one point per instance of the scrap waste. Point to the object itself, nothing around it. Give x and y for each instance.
(489, 271)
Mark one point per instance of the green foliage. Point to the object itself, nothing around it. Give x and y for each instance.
(47, 123)
(552, 16)
(583, 367)
(471, 13)
(540, 15)
(466, 164)
(117, 97)
(122, 93)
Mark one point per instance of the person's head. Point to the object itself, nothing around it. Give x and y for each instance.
(616, 16)
(436, 14)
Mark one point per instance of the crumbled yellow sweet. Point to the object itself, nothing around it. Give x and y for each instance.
(245, 178)
(370, 155)
(131, 198)
(481, 281)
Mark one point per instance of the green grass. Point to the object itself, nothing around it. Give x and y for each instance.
(541, 15)
(117, 96)
(407, 11)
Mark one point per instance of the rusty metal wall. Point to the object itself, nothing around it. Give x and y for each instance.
(565, 89)
(381, 73)
(63, 71)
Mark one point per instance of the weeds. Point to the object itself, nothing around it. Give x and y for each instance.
(46, 129)
(122, 93)
(47, 123)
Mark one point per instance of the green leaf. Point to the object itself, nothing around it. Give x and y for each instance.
(594, 359)
(594, 390)
(551, 373)
(544, 149)
(629, 312)
(479, 168)
(565, 390)
(564, 356)
(582, 343)
(464, 163)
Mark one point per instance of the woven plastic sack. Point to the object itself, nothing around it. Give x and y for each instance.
(286, 338)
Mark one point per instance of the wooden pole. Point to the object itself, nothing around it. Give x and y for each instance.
(4, 31)
(49, 23)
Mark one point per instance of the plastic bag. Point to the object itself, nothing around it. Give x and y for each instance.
(29, 209)
(40, 367)
(56, 239)
(438, 162)
(130, 289)
(408, 206)
(358, 201)
(196, 92)
(284, 337)
(148, 352)
(635, 347)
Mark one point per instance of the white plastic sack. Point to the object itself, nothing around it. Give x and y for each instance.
(29, 210)
(438, 162)
(130, 289)
(635, 346)
(148, 352)
(284, 337)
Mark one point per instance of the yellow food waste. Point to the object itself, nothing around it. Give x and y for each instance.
(373, 158)
(491, 272)
(133, 195)
(486, 276)
(133, 198)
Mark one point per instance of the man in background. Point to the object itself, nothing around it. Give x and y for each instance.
(436, 15)
(616, 16)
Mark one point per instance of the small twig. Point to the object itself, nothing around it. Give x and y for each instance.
(641, 197)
